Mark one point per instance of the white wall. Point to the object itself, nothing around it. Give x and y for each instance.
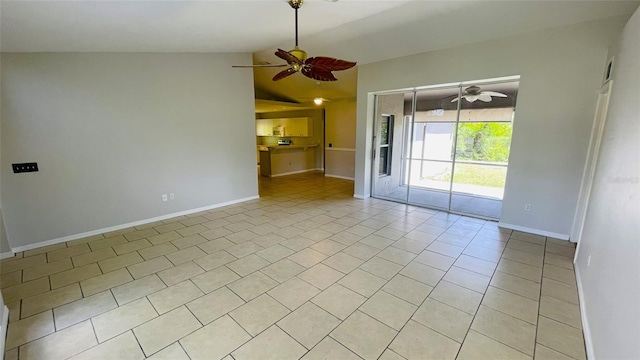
(610, 285)
(561, 70)
(5, 249)
(341, 134)
(111, 132)
(4, 322)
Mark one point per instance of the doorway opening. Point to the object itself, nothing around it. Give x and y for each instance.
(445, 147)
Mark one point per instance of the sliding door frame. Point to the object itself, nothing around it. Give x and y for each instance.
(408, 140)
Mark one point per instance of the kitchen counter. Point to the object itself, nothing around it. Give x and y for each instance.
(285, 147)
(277, 160)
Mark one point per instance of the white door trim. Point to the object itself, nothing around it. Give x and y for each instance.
(591, 162)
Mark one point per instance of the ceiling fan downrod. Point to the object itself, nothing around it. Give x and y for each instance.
(296, 4)
(296, 51)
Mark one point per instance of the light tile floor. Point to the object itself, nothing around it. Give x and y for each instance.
(306, 271)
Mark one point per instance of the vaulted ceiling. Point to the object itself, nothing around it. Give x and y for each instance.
(359, 30)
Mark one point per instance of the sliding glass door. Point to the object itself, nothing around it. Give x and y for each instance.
(445, 148)
(393, 120)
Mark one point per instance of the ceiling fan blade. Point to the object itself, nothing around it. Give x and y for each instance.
(258, 66)
(283, 74)
(484, 97)
(288, 57)
(324, 63)
(493, 93)
(470, 98)
(455, 99)
(317, 74)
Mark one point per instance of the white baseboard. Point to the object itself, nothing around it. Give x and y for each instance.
(3, 328)
(339, 177)
(297, 172)
(362, 197)
(586, 330)
(534, 231)
(127, 225)
(6, 255)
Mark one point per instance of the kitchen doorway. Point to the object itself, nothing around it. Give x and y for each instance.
(445, 147)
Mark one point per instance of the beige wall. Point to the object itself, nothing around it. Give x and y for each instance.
(341, 134)
(561, 71)
(111, 132)
(288, 161)
(610, 281)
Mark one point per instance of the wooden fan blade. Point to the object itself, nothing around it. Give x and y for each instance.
(283, 74)
(324, 63)
(288, 57)
(258, 66)
(317, 74)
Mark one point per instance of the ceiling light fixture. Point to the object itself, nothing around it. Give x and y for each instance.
(317, 101)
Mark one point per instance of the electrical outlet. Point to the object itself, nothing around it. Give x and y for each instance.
(24, 167)
(527, 207)
(164, 197)
(589, 260)
(172, 196)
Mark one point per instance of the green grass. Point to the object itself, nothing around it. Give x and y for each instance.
(491, 176)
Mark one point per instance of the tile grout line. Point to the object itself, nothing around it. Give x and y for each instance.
(482, 298)
(417, 308)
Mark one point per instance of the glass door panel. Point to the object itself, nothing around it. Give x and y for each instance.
(482, 150)
(432, 144)
(392, 120)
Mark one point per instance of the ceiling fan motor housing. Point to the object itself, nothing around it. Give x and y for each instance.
(473, 90)
(299, 53)
(295, 3)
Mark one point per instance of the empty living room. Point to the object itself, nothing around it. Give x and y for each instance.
(446, 179)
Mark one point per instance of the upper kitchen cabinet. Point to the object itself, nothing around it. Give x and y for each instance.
(298, 127)
(264, 127)
(294, 127)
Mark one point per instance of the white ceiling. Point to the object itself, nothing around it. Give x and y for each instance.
(168, 26)
(357, 30)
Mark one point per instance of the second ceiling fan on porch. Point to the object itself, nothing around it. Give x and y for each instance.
(318, 68)
(473, 93)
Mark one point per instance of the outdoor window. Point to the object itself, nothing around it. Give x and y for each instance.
(386, 143)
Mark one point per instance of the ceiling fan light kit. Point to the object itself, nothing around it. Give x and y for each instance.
(318, 68)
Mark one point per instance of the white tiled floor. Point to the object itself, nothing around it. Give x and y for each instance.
(306, 272)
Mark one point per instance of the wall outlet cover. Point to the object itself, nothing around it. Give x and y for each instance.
(25, 167)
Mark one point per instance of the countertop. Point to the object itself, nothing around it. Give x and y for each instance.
(284, 147)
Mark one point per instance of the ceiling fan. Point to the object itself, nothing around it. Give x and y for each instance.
(318, 68)
(473, 93)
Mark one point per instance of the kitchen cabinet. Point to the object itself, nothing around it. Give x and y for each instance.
(298, 127)
(264, 127)
(293, 127)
